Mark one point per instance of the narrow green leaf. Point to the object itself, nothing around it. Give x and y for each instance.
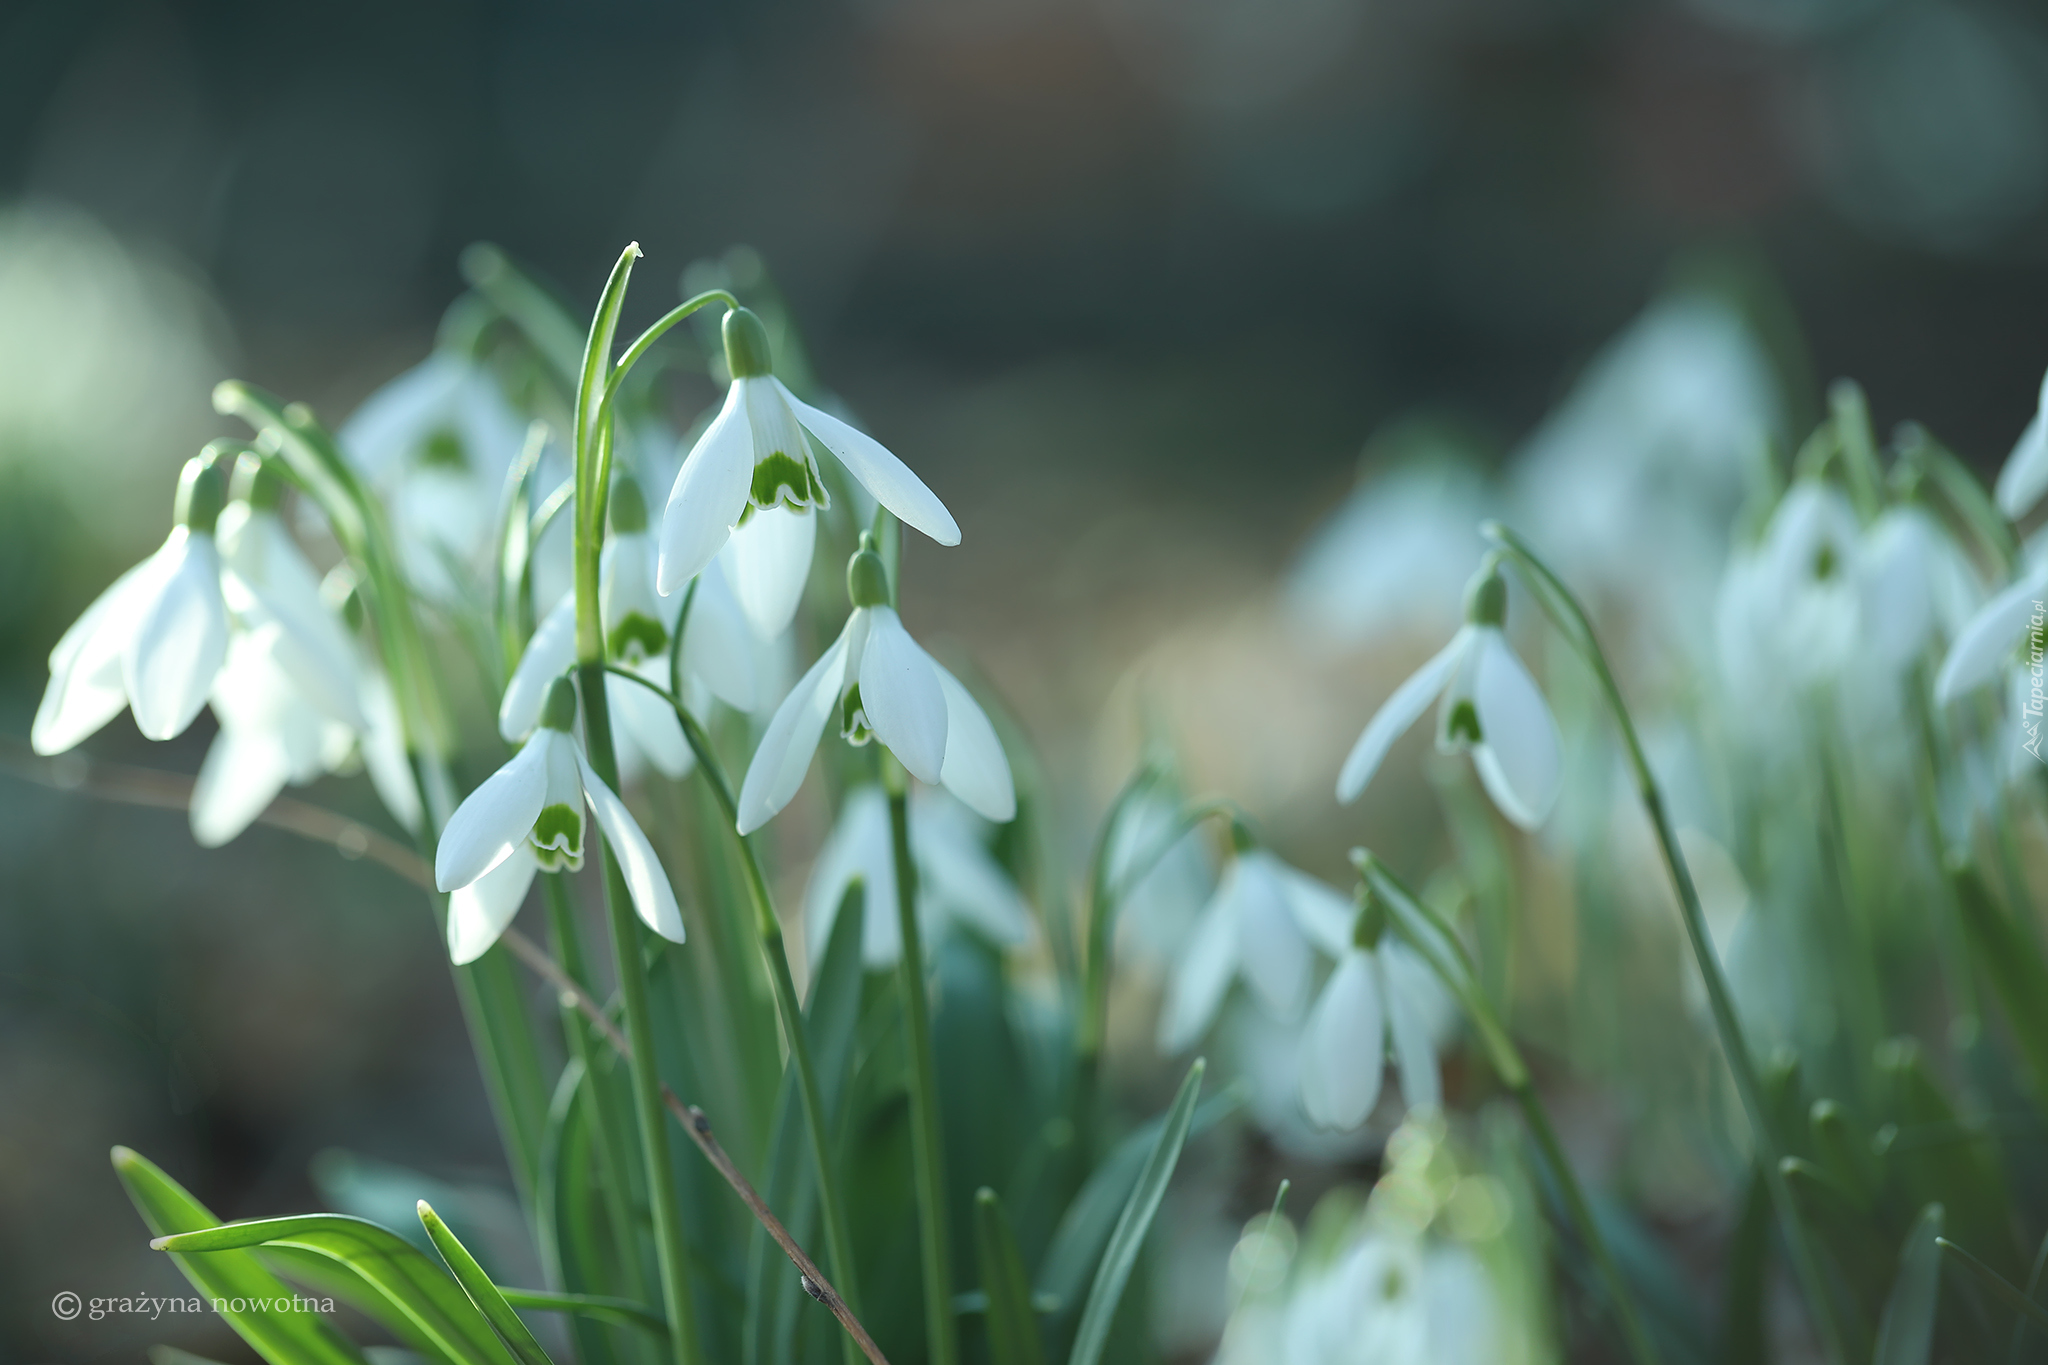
(1998, 1284)
(481, 1291)
(1121, 1256)
(406, 1284)
(1905, 1334)
(282, 1338)
(1013, 1337)
(1745, 1336)
(571, 1251)
(623, 1312)
(2013, 966)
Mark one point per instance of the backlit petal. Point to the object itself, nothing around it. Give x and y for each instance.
(479, 913)
(495, 818)
(1520, 758)
(1395, 715)
(85, 689)
(1344, 1048)
(180, 639)
(901, 693)
(879, 471)
(1202, 976)
(548, 655)
(784, 755)
(768, 561)
(653, 897)
(710, 493)
(1990, 642)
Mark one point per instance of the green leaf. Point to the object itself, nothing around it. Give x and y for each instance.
(1091, 1217)
(622, 1312)
(1121, 1256)
(425, 1303)
(2011, 962)
(1998, 1284)
(282, 1338)
(1012, 1324)
(1745, 1336)
(1905, 1334)
(481, 1291)
(571, 1252)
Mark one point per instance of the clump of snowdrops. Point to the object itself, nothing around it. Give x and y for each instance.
(1826, 796)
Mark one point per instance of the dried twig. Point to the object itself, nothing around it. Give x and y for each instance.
(173, 791)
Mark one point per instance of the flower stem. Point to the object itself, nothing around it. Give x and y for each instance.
(1570, 618)
(788, 1007)
(927, 1156)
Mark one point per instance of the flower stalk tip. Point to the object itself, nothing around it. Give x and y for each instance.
(747, 353)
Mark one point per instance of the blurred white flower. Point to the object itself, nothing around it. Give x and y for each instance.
(2025, 476)
(1263, 923)
(531, 811)
(437, 442)
(958, 881)
(754, 461)
(882, 685)
(1490, 705)
(1989, 644)
(1157, 904)
(1376, 995)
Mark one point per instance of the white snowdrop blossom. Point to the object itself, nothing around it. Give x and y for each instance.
(437, 442)
(1395, 1299)
(881, 685)
(720, 655)
(752, 481)
(2025, 476)
(154, 641)
(1990, 643)
(1490, 705)
(528, 816)
(1262, 923)
(958, 880)
(1379, 994)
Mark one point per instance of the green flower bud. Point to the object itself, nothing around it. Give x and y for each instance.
(629, 506)
(202, 493)
(258, 482)
(559, 712)
(1371, 925)
(746, 345)
(867, 581)
(1486, 597)
(1242, 840)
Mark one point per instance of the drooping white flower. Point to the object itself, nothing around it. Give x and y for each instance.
(2025, 476)
(530, 814)
(1378, 994)
(755, 461)
(1990, 643)
(1262, 923)
(154, 641)
(1395, 1299)
(437, 442)
(958, 881)
(1490, 705)
(881, 685)
(720, 654)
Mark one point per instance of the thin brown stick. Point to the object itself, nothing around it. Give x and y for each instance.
(173, 791)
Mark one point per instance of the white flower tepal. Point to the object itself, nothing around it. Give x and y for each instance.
(2025, 476)
(1490, 706)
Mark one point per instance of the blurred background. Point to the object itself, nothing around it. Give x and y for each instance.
(1132, 283)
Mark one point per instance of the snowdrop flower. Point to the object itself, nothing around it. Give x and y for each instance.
(752, 480)
(1380, 991)
(1791, 608)
(1490, 705)
(438, 441)
(1992, 640)
(958, 881)
(527, 817)
(2025, 476)
(1262, 922)
(1392, 1299)
(154, 641)
(720, 654)
(881, 685)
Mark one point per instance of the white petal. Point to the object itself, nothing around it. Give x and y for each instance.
(384, 754)
(496, 817)
(1325, 914)
(784, 755)
(548, 655)
(956, 873)
(1990, 640)
(719, 646)
(1344, 1048)
(2025, 476)
(1520, 758)
(858, 847)
(653, 897)
(479, 913)
(649, 721)
(391, 422)
(880, 472)
(900, 691)
(244, 771)
(1395, 715)
(1408, 989)
(316, 664)
(180, 639)
(976, 770)
(85, 689)
(1195, 990)
(1276, 955)
(709, 494)
(768, 561)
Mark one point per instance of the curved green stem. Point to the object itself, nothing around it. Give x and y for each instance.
(788, 1007)
(1564, 610)
(926, 1149)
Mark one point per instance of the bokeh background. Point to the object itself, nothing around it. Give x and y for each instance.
(1132, 282)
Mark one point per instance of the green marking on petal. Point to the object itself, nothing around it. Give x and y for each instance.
(636, 638)
(1462, 727)
(783, 478)
(557, 838)
(853, 721)
(443, 450)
